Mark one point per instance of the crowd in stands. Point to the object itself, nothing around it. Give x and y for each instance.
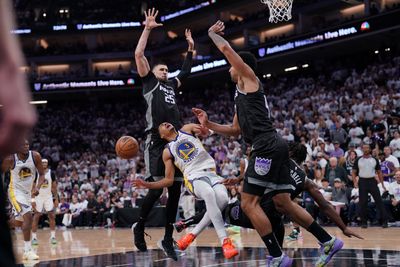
(332, 111)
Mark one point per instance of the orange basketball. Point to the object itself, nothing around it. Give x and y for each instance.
(126, 147)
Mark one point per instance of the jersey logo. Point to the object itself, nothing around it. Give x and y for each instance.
(262, 166)
(186, 151)
(45, 184)
(24, 173)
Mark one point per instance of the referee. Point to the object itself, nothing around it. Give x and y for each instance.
(364, 170)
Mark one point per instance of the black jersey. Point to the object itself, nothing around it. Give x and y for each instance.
(297, 179)
(161, 102)
(253, 114)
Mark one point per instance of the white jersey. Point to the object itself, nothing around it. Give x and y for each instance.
(22, 175)
(45, 189)
(190, 156)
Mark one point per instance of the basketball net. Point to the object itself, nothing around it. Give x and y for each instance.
(279, 10)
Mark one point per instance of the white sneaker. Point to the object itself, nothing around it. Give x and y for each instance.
(30, 256)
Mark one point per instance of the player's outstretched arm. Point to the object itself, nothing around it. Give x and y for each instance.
(196, 129)
(187, 63)
(227, 130)
(329, 211)
(167, 181)
(142, 64)
(215, 32)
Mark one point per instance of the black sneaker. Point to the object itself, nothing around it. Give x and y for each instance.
(385, 224)
(180, 226)
(364, 225)
(138, 238)
(168, 247)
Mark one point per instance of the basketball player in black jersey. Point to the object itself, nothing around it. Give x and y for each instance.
(159, 93)
(234, 214)
(268, 169)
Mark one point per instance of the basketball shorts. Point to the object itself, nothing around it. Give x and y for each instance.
(209, 177)
(44, 204)
(21, 203)
(268, 169)
(154, 147)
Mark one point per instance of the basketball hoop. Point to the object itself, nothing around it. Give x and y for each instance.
(279, 10)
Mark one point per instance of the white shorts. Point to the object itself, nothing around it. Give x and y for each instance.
(21, 203)
(44, 204)
(209, 177)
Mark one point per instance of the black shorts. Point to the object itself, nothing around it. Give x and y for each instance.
(268, 169)
(153, 151)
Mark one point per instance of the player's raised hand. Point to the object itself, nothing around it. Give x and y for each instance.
(217, 28)
(150, 22)
(347, 232)
(139, 183)
(201, 116)
(189, 39)
(201, 130)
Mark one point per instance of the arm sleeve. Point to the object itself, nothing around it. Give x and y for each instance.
(53, 177)
(186, 67)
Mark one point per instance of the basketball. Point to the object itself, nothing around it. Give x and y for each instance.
(126, 147)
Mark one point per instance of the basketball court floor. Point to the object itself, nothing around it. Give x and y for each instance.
(113, 248)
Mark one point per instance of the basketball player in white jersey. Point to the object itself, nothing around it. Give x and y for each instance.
(44, 203)
(198, 168)
(23, 167)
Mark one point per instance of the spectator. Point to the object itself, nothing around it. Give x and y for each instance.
(338, 151)
(334, 171)
(355, 133)
(395, 144)
(340, 194)
(364, 171)
(321, 162)
(389, 157)
(393, 204)
(339, 134)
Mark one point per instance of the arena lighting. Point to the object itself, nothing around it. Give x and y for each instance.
(21, 31)
(291, 69)
(103, 83)
(38, 102)
(185, 11)
(60, 27)
(304, 66)
(321, 37)
(201, 67)
(267, 75)
(387, 49)
(376, 51)
(113, 25)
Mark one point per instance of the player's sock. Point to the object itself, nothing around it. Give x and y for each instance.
(53, 234)
(272, 245)
(319, 232)
(34, 235)
(27, 246)
(169, 229)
